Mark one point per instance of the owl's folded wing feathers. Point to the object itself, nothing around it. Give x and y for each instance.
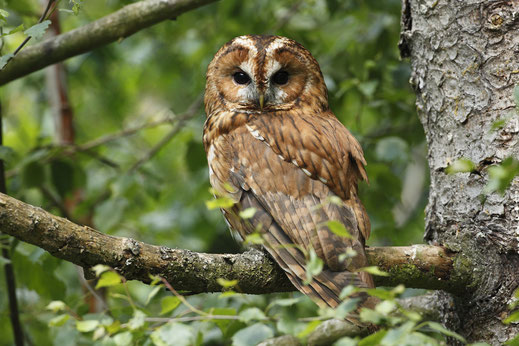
(293, 210)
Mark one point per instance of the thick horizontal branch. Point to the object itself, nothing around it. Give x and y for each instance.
(118, 25)
(419, 266)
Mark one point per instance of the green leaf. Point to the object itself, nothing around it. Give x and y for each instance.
(345, 341)
(37, 30)
(346, 291)
(254, 239)
(86, 326)
(99, 269)
(373, 270)
(226, 283)
(310, 327)
(62, 173)
(3, 15)
(461, 166)
(373, 339)
(195, 156)
(380, 293)
(76, 6)
(386, 307)
(439, 328)
(227, 294)
(349, 253)
(174, 334)
(56, 306)
(221, 202)
(368, 88)
(251, 314)
(338, 228)
(58, 321)
(15, 30)
(169, 304)
(99, 333)
(153, 293)
(253, 335)
(123, 339)
(391, 149)
(314, 266)
(284, 302)
(396, 335)
(345, 308)
(372, 316)
(228, 327)
(33, 174)
(514, 317)
(137, 321)
(5, 59)
(500, 176)
(513, 342)
(108, 279)
(247, 213)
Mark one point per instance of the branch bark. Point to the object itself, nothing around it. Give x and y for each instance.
(111, 28)
(419, 266)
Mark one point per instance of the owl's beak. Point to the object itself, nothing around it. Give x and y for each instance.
(261, 100)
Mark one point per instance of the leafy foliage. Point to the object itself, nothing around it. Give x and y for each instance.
(146, 82)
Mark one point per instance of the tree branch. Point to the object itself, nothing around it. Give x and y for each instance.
(115, 26)
(419, 266)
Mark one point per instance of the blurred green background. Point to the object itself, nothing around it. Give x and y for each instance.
(160, 72)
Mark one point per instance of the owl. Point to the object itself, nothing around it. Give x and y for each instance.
(274, 145)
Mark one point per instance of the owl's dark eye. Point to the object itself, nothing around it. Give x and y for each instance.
(241, 78)
(280, 77)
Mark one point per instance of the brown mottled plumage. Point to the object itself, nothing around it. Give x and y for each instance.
(274, 145)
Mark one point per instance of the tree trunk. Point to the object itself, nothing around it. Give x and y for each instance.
(464, 70)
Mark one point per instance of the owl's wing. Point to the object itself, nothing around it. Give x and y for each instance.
(323, 149)
(292, 210)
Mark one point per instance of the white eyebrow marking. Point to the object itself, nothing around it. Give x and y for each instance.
(323, 180)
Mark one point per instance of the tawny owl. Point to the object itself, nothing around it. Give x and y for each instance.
(274, 145)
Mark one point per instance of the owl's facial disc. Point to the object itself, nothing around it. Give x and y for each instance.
(264, 73)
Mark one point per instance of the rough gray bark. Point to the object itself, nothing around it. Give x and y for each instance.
(464, 69)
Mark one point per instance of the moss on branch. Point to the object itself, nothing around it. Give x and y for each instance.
(419, 266)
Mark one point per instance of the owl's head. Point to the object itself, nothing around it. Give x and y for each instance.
(264, 73)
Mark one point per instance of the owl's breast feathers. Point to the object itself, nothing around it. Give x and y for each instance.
(287, 165)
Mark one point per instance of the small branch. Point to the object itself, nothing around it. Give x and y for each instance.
(42, 17)
(10, 279)
(418, 266)
(120, 24)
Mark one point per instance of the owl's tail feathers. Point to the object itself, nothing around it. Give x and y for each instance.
(325, 287)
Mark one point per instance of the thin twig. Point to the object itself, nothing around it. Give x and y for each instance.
(125, 285)
(10, 279)
(43, 16)
(56, 201)
(183, 300)
(191, 318)
(123, 133)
